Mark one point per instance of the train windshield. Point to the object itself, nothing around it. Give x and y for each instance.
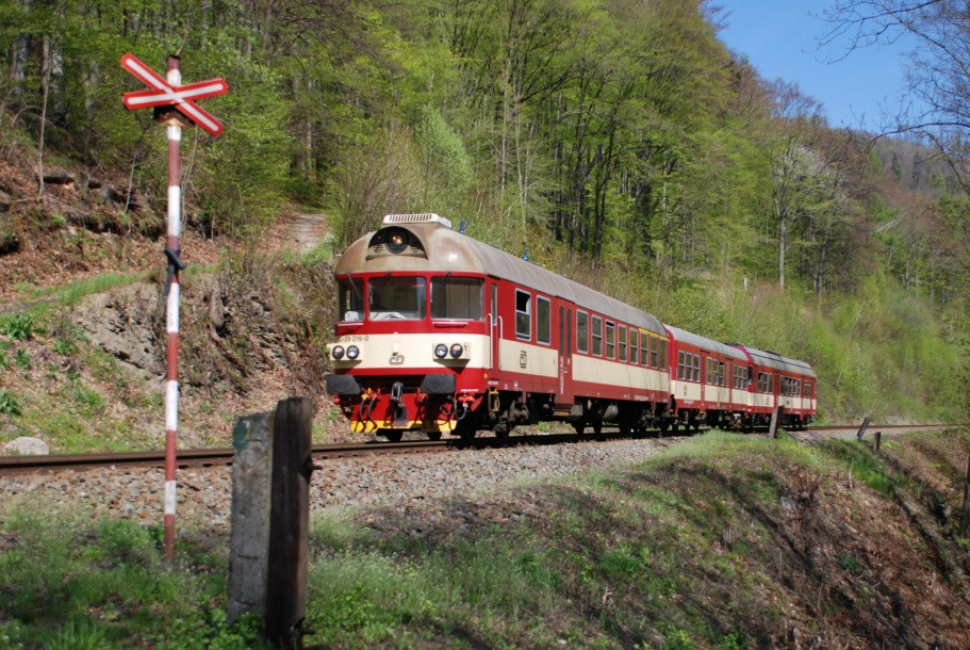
(350, 297)
(457, 298)
(396, 298)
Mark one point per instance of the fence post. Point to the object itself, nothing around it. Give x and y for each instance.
(775, 420)
(270, 519)
(878, 440)
(289, 522)
(862, 429)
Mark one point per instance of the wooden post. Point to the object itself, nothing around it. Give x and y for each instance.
(862, 429)
(289, 522)
(270, 519)
(878, 440)
(775, 420)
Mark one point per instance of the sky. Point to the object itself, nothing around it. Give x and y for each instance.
(780, 39)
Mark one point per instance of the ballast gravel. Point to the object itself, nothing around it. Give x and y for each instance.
(380, 490)
(385, 482)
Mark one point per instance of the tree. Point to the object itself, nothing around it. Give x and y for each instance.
(938, 73)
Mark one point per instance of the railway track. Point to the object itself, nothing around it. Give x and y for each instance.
(216, 457)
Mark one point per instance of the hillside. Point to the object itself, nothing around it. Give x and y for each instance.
(724, 542)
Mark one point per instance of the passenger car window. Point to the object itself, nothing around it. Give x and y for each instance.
(543, 320)
(523, 314)
(582, 332)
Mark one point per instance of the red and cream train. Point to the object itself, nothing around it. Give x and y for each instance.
(440, 333)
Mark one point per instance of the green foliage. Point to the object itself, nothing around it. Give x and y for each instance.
(70, 582)
(8, 403)
(22, 360)
(20, 327)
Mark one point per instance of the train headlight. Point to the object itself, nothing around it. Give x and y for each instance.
(441, 350)
(457, 350)
(337, 352)
(397, 241)
(353, 352)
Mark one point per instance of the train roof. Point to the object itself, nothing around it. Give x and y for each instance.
(705, 343)
(776, 361)
(438, 248)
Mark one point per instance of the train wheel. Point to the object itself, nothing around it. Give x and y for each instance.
(501, 430)
(393, 436)
(579, 427)
(434, 435)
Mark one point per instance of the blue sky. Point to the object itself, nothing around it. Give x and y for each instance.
(780, 39)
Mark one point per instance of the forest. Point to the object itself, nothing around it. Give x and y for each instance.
(617, 141)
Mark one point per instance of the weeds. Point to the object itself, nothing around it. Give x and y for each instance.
(20, 327)
(8, 403)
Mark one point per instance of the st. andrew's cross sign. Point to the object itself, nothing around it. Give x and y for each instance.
(161, 93)
(172, 102)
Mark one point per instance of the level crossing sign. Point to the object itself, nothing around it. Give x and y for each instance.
(173, 103)
(162, 93)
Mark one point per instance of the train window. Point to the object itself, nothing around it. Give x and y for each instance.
(610, 340)
(683, 366)
(654, 344)
(808, 389)
(582, 332)
(396, 298)
(457, 298)
(740, 377)
(634, 345)
(523, 314)
(622, 341)
(697, 368)
(543, 320)
(597, 336)
(662, 347)
(645, 349)
(350, 297)
(765, 382)
(715, 372)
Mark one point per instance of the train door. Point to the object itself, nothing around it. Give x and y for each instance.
(495, 331)
(565, 354)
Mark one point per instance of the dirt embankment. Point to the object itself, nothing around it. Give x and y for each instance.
(252, 323)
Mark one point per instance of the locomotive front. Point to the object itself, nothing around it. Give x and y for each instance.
(412, 341)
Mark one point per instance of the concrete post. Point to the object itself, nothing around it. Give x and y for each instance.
(776, 420)
(270, 519)
(249, 539)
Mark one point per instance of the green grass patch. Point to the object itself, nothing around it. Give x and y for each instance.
(68, 582)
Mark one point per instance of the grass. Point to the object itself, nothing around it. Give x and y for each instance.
(710, 545)
(69, 582)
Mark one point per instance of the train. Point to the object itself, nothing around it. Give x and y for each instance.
(437, 332)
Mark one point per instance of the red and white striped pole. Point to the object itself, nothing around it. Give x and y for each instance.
(172, 252)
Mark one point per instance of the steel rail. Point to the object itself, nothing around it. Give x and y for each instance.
(215, 457)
